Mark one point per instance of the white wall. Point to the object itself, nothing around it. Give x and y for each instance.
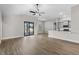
(41, 27)
(13, 25)
(0, 26)
(75, 19)
(48, 26)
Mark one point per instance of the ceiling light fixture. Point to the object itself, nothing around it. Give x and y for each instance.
(36, 10)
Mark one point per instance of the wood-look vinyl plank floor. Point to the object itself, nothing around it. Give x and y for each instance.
(38, 45)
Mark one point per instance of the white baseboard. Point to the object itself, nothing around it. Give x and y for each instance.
(4, 38)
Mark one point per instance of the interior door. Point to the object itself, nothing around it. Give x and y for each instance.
(28, 28)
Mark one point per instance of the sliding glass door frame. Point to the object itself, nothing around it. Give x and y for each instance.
(28, 28)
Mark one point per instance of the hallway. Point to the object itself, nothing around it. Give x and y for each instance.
(38, 45)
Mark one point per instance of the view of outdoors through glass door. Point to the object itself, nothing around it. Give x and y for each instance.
(28, 28)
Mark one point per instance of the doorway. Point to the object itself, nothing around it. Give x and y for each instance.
(28, 28)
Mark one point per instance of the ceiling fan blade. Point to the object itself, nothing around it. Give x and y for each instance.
(32, 11)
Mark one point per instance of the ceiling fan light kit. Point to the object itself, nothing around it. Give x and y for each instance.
(36, 11)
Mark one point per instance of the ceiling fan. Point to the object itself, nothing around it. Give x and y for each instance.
(36, 11)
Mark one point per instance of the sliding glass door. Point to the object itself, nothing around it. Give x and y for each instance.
(28, 28)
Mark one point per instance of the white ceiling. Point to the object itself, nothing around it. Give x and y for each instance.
(52, 11)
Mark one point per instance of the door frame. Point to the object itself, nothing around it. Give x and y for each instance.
(29, 27)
